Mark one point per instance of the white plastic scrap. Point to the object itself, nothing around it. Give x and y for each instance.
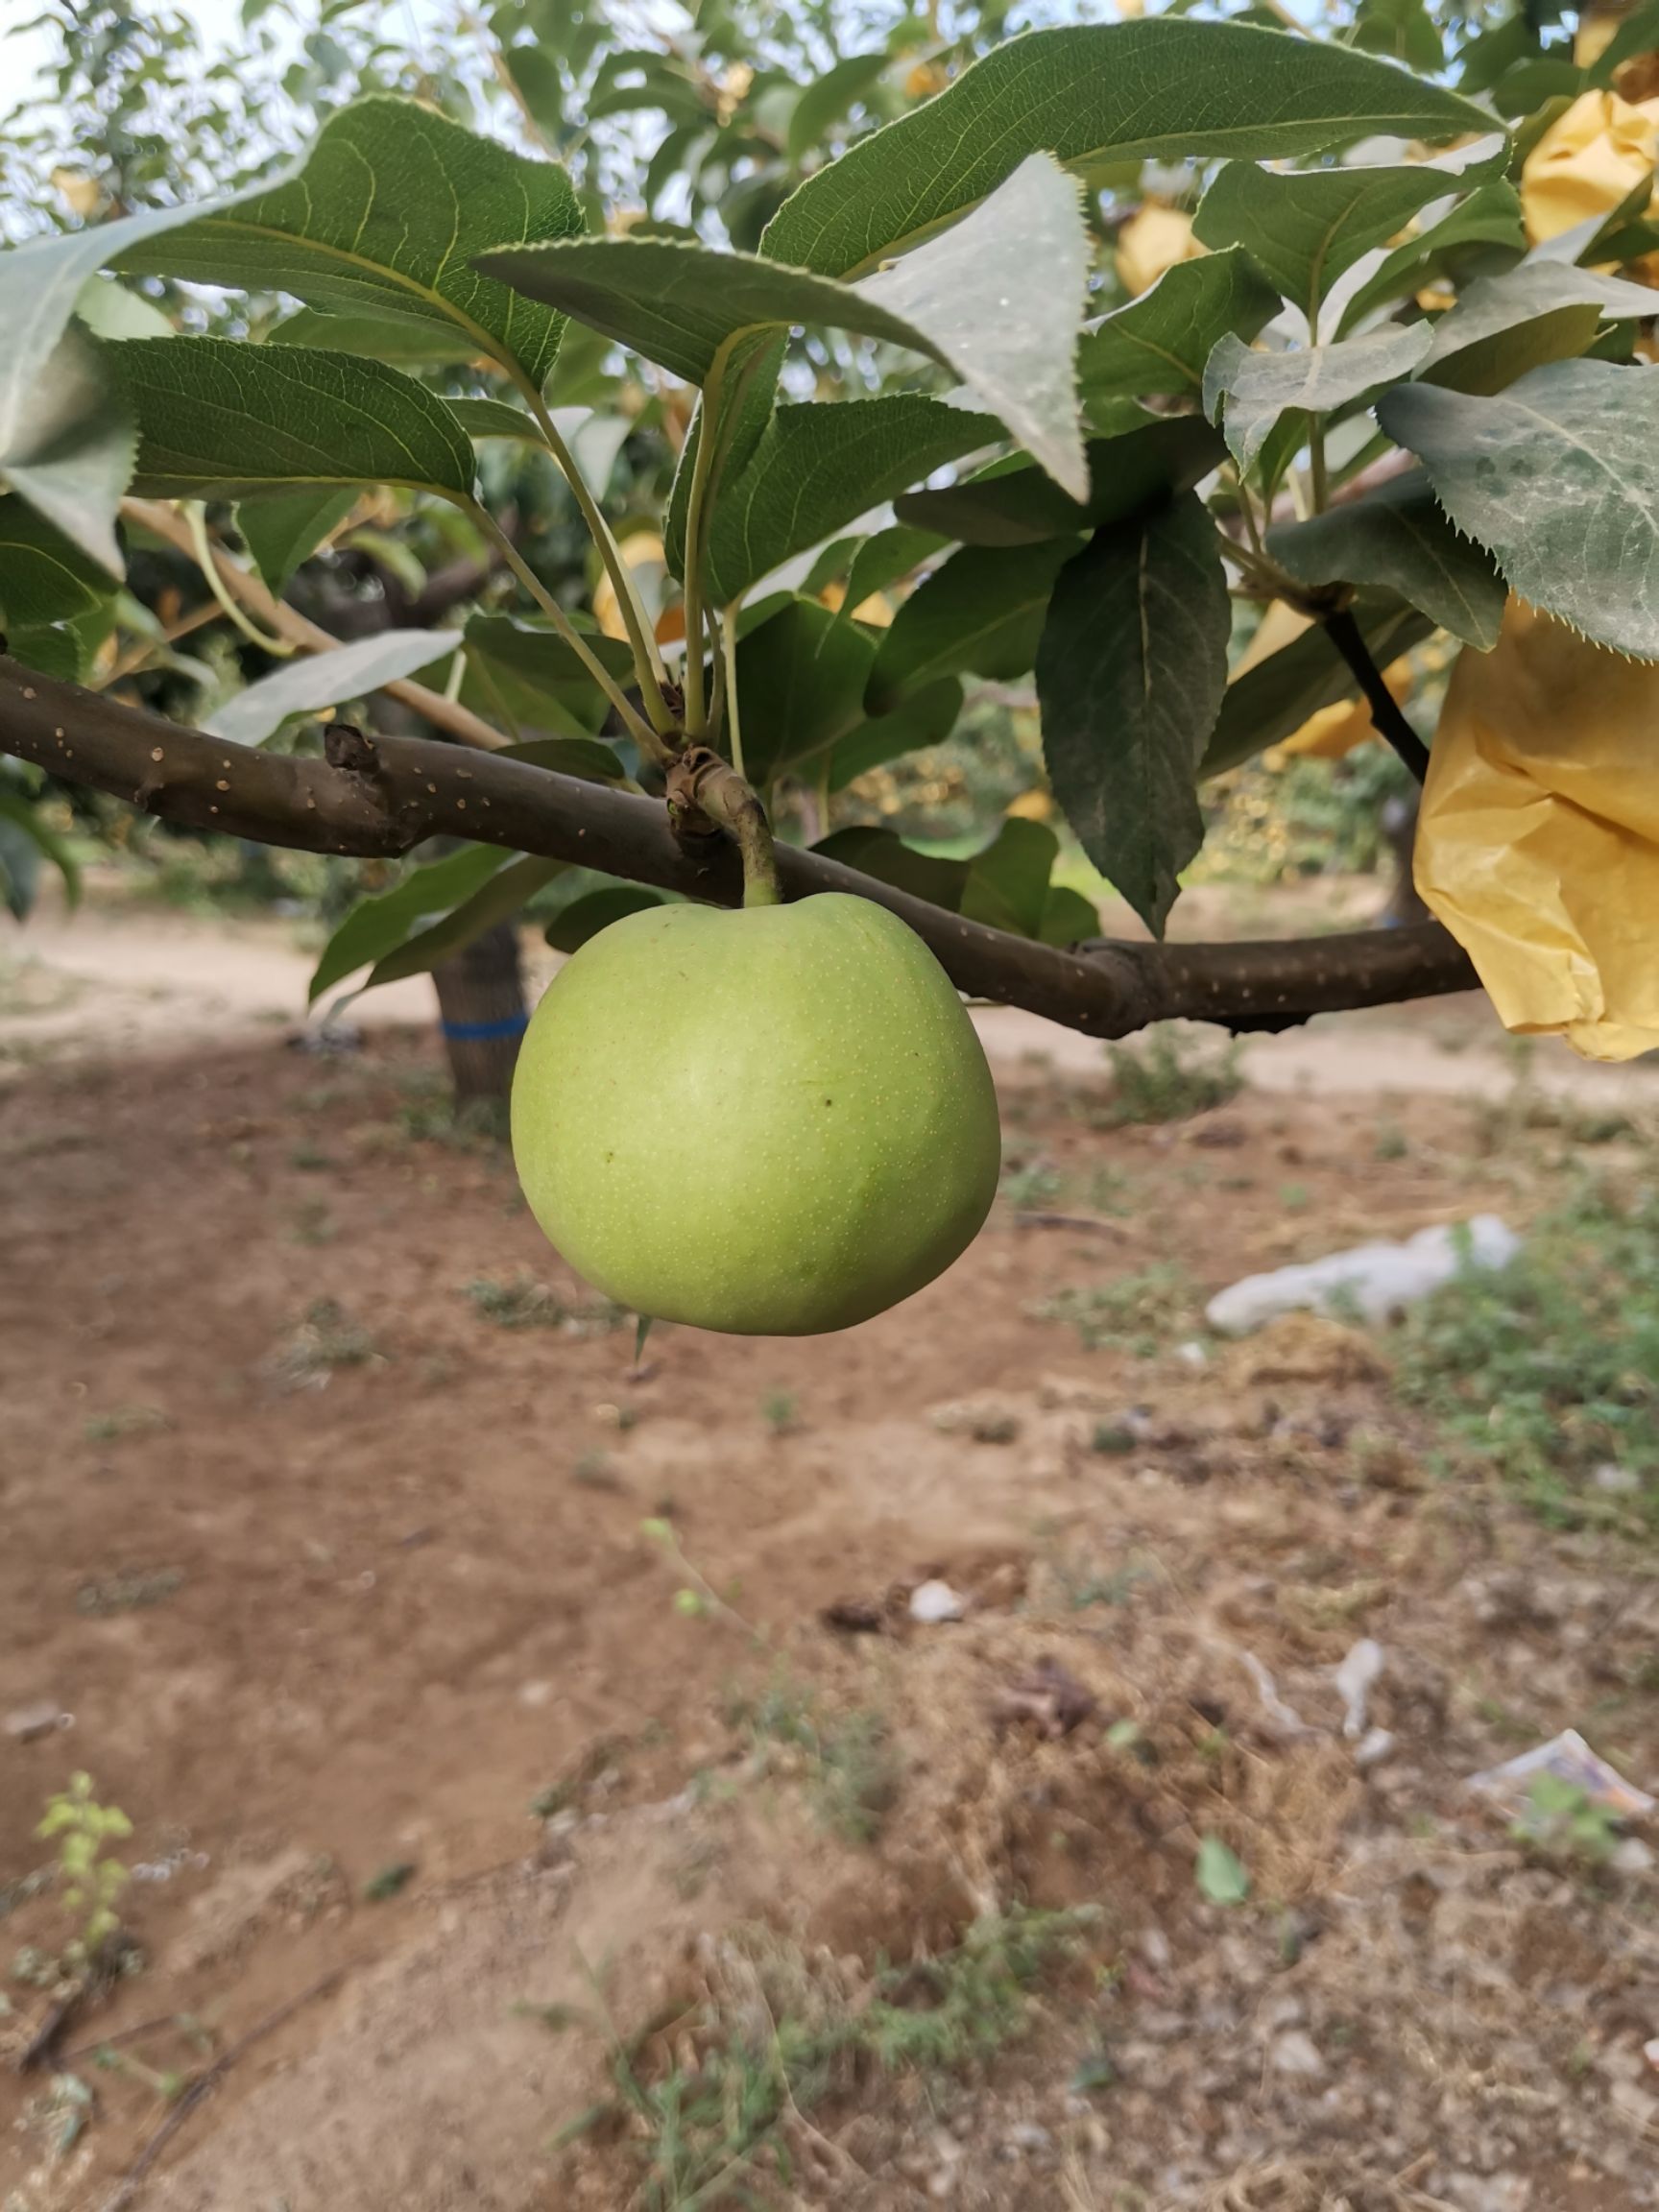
(1376, 1280)
(1570, 1759)
(1354, 1680)
(931, 1602)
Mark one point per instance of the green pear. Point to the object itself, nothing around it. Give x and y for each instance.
(773, 1121)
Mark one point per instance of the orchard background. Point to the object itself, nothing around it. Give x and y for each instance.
(1015, 1752)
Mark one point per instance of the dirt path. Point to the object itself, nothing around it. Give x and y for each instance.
(322, 1489)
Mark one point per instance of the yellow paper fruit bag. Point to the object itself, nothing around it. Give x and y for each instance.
(1538, 840)
(1591, 157)
(1151, 242)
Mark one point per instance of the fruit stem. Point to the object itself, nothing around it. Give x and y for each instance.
(704, 794)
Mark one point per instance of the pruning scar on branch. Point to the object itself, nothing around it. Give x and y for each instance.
(384, 796)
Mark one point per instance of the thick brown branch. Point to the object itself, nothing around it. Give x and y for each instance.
(386, 795)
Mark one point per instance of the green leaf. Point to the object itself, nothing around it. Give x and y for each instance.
(573, 926)
(401, 345)
(1000, 296)
(498, 899)
(981, 612)
(69, 447)
(1491, 53)
(924, 717)
(880, 854)
(219, 419)
(1220, 1873)
(57, 420)
(1273, 699)
(305, 685)
(829, 100)
(23, 836)
(282, 532)
(1010, 504)
(45, 576)
(1637, 35)
(587, 757)
(1161, 89)
(494, 419)
(1543, 311)
(1488, 364)
(998, 302)
(887, 558)
(1483, 229)
(51, 648)
(110, 311)
(1161, 342)
(1130, 675)
(1522, 91)
(1305, 228)
(527, 674)
(1401, 29)
(818, 468)
(536, 73)
(801, 677)
(1398, 537)
(1558, 478)
(383, 219)
(1258, 388)
(1007, 886)
(1067, 917)
(377, 924)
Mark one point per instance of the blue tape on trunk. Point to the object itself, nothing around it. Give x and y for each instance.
(486, 1032)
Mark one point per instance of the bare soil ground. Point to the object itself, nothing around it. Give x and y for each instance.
(322, 1494)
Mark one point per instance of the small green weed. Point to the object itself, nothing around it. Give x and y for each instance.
(124, 1421)
(1031, 1185)
(430, 1116)
(90, 1883)
(1549, 1367)
(1391, 1142)
(128, 1593)
(1138, 1312)
(389, 1882)
(327, 1337)
(523, 1303)
(777, 2036)
(781, 1410)
(1166, 1077)
(1562, 1821)
(313, 1223)
(850, 1762)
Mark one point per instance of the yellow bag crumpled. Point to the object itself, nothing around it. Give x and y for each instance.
(1591, 157)
(1538, 838)
(1151, 242)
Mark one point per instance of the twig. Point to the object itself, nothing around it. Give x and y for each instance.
(449, 715)
(205, 2085)
(1390, 723)
(120, 2035)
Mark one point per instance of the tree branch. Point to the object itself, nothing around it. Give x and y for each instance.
(384, 796)
(1389, 723)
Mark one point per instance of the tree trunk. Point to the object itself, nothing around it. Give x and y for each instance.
(482, 1014)
(1399, 834)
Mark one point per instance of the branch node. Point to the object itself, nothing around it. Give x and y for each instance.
(345, 746)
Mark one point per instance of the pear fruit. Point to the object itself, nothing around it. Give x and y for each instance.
(773, 1121)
